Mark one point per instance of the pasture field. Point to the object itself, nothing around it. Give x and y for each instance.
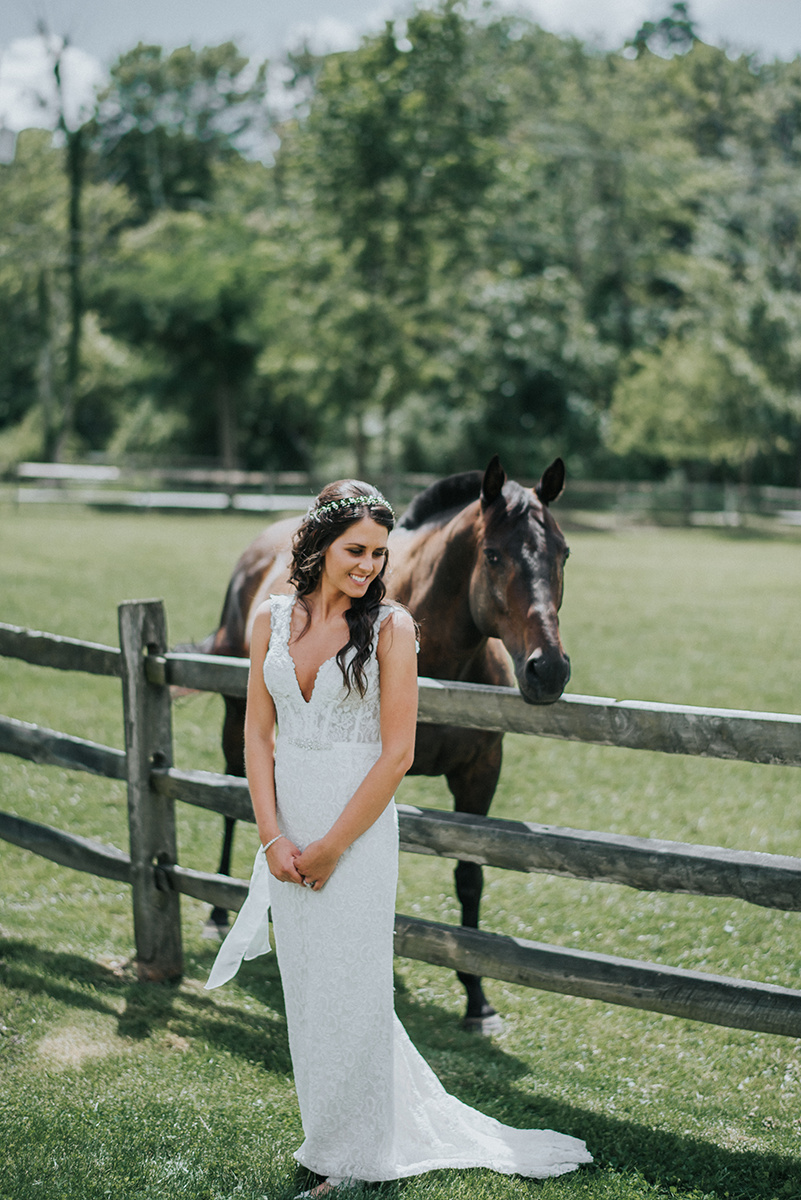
(109, 1089)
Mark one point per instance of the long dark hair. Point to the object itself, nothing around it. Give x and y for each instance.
(335, 510)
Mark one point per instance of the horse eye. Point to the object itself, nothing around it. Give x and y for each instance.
(492, 557)
(567, 553)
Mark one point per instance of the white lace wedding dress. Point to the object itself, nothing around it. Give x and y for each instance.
(372, 1108)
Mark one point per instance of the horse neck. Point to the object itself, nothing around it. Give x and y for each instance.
(441, 600)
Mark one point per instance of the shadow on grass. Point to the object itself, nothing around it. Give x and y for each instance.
(65, 977)
(478, 1070)
(145, 1010)
(678, 1161)
(484, 1075)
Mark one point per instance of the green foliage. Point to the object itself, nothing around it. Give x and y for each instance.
(164, 121)
(672, 34)
(701, 398)
(34, 296)
(32, 206)
(391, 162)
(185, 284)
(473, 236)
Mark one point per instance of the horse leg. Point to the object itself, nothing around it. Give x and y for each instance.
(233, 744)
(473, 786)
(480, 1015)
(216, 926)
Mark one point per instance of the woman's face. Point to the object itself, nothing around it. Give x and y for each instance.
(356, 557)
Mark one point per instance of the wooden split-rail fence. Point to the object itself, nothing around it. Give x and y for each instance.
(148, 670)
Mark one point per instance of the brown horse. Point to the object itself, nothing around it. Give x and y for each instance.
(479, 562)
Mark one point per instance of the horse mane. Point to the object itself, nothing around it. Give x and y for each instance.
(452, 492)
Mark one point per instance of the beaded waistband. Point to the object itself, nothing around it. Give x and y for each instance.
(317, 744)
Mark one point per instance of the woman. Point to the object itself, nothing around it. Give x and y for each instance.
(337, 669)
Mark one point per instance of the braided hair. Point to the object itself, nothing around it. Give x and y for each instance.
(340, 505)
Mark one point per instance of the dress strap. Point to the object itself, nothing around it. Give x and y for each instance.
(280, 616)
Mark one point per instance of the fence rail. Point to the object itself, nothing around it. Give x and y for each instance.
(48, 747)
(647, 864)
(68, 849)
(147, 672)
(770, 738)
(192, 489)
(214, 489)
(63, 653)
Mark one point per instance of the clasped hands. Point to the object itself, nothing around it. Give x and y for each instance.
(310, 868)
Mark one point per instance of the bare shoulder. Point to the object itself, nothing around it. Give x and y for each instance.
(398, 631)
(262, 623)
(263, 613)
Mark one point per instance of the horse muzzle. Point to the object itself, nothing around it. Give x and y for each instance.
(543, 677)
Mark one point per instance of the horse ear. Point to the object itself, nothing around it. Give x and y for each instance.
(552, 484)
(494, 479)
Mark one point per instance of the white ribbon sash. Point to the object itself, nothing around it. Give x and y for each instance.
(250, 934)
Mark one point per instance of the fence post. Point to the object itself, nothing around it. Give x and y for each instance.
(151, 817)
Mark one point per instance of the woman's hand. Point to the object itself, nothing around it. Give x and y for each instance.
(281, 858)
(316, 864)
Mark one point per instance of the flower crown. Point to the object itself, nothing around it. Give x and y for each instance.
(352, 502)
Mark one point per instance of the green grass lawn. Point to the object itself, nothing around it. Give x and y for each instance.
(112, 1089)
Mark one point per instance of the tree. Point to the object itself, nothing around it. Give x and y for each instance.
(164, 121)
(674, 33)
(32, 211)
(173, 129)
(722, 388)
(395, 152)
(186, 287)
(476, 236)
(42, 380)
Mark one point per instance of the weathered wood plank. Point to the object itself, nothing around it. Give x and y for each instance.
(219, 890)
(200, 672)
(62, 653)
(68, 849)
(151, 818)
(649, 864)
(773, 738)
(51, 748)
(716, 999)
(225, 794)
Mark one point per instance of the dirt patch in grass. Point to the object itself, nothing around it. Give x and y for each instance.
(70, 1046)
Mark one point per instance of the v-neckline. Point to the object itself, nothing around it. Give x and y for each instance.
(294, 664)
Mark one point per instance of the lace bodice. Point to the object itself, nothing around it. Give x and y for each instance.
(333, 714)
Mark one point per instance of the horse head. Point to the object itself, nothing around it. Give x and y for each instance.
(517, 580)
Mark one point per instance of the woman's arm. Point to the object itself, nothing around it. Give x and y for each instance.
(260, 755)
(397, 657)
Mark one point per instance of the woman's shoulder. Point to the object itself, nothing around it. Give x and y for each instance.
(392, 610)
(395, 619)
(273, 609)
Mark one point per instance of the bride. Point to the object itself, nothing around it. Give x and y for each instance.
(335, 669)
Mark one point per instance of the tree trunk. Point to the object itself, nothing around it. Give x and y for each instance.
(75, 168)
(360, 446)
(44, 367)
(227, 426)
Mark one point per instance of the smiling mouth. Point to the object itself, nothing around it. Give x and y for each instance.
(359, 578)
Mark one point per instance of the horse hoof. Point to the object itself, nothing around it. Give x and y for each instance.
(213, 932)
(487, 1026)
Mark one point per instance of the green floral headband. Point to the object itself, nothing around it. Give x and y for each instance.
(352, 502)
